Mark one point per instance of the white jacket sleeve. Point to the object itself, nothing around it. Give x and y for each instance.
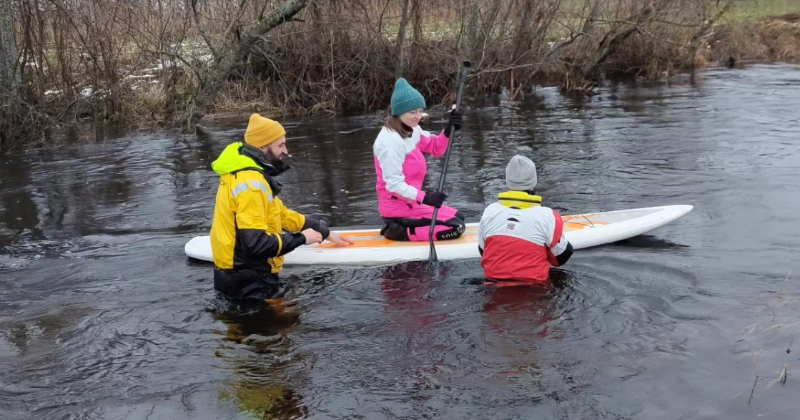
(391, 155)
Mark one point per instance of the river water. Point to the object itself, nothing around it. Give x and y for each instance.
(103, 317)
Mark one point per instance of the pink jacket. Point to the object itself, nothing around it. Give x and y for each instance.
(401, 169)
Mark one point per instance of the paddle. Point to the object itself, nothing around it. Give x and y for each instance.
(464, 75)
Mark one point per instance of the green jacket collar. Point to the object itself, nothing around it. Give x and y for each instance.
(239, 156)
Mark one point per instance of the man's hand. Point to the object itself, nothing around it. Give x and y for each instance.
(312, 236)
(339, 240)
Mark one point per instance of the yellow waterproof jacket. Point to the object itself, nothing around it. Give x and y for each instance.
(252, 229)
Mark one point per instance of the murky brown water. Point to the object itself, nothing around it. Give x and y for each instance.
(103, 317)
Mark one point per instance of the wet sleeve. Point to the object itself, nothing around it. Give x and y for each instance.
(559, 250)
(433, 145)
(318, 225)
(391, 155)
(563, 257)
(251, 228)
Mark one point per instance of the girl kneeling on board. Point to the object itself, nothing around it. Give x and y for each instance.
(400, 166)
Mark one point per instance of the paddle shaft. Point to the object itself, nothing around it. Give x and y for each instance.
(464, 77)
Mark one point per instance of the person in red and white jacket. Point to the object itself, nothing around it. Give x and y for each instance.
(518, 238)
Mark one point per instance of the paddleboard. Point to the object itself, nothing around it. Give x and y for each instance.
(370, 248)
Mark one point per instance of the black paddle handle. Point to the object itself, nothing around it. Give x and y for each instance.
(464, 76)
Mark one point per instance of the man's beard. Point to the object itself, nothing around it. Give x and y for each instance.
(279, 166)
(271, 164)
(275, 160)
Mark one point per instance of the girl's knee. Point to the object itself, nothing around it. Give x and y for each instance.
(395, 231)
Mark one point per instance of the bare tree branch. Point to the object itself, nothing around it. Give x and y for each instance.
(222, 68)
(235, 21)
(203, 31)
(694, 44)
(401, 38)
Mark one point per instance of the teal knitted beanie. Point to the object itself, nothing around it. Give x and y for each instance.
(405, 98)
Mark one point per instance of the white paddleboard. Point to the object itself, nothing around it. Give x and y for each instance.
(370, 248)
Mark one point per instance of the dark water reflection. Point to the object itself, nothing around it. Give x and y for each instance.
(102, 316)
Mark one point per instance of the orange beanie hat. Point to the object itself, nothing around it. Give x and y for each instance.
(262, 131)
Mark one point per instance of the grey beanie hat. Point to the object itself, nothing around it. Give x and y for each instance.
(521, 174)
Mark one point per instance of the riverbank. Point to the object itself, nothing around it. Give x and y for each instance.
(343, 61)
(774, 39)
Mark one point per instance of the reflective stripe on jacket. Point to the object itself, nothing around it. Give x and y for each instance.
(252, 228)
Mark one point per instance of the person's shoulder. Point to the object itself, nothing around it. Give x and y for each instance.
(539, 209)
(388, 138)
(387, 134)
(541, 214)
(493, 209)
(253, 177)
(549, 210)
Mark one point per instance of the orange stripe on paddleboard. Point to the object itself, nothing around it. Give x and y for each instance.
(373, 238)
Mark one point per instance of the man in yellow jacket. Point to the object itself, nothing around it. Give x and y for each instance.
(252, 228)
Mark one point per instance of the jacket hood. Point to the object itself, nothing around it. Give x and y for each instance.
(240, 156)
